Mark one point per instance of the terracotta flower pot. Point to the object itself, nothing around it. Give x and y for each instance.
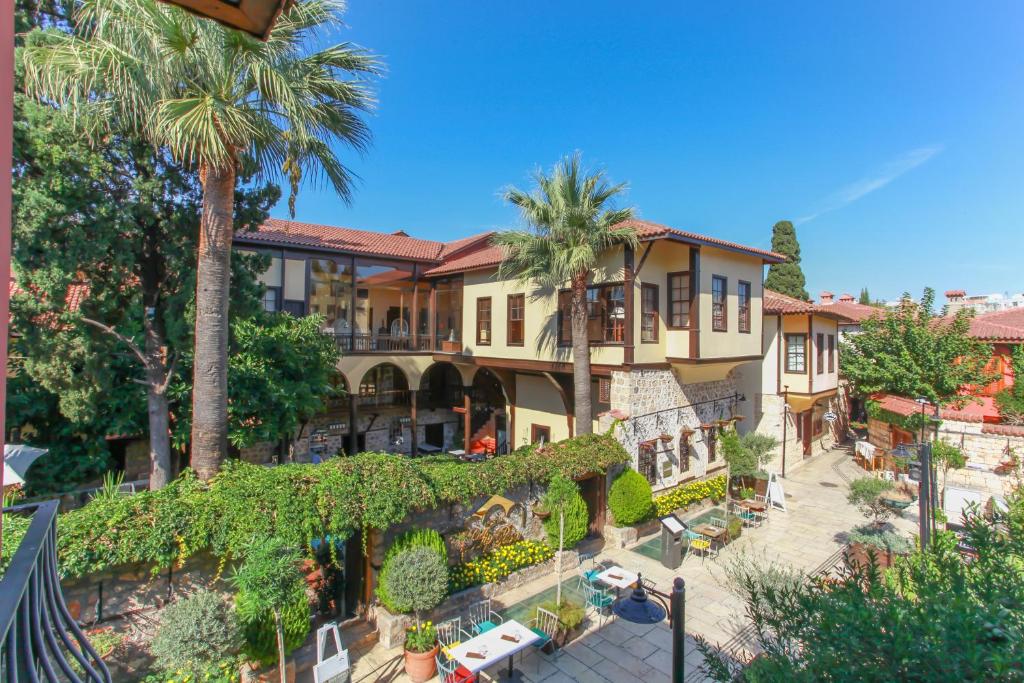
(860, 554)
(420, 666)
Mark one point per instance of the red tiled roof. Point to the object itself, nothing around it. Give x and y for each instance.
(647, 230)
(901, 405)
(75, 294)
(450, 249)
(298, 234)
(955, 292)
(1003, 430)
(846, 298)
(487, 256)
(999, 326)
(776, 303)
(853, 311)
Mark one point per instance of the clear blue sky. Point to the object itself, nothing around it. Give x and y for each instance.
(891, 132)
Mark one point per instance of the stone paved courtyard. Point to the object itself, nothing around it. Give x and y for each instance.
(805, 536)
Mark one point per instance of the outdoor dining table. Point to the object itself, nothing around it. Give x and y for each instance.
(754, 505)
(711, 531)
(488, 648)
(617, 577)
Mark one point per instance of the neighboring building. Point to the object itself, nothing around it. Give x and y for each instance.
(958, 299)
(439, 354)
(798, 378)
(849, 314)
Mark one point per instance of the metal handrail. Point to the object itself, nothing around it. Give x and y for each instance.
(39, 639)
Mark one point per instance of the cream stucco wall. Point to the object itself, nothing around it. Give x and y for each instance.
(537, 402)
(665, 257)
(797, 382)
(734, 267)
(540, 325)
(826, 380)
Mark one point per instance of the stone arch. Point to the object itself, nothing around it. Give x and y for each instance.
(440, 386)
(383, 381)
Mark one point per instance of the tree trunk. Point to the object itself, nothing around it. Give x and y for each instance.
(151, 275)
(581, 357)
(561, 547)
(210, 375)
(281, 664)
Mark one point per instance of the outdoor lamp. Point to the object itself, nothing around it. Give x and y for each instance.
(255, 17)
(637, 608)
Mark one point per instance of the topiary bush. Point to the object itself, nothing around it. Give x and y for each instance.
(196, 633)
(576, 518)
(258, 627)
(413, 538)
(630, 498)
(418, 581)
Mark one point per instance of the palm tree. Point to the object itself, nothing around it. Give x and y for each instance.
(215, 98)
(572, 223)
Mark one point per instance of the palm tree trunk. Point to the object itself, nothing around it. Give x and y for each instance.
(210, 376)
(581, 357)
(281, 661)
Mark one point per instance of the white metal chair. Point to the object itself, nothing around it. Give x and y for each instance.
(762, 499)
(546, 625)
(450, 671)
(450, 634)
(599, 602)
(482, 618)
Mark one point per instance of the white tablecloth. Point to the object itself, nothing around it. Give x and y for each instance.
(492, 646)
(865, 450)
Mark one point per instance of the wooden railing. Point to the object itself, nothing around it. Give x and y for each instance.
(365, 342)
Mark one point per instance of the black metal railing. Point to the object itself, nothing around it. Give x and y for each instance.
(39, 640)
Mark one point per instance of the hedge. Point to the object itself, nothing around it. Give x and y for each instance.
(298, 503)
(687, 494)
(629, 498)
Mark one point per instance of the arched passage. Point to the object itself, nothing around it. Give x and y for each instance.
(377, 405)
(487, 420)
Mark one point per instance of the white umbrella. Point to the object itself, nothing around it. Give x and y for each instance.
(17, 459)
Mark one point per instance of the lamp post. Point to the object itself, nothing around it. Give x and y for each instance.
(785, 425)
(638, 608)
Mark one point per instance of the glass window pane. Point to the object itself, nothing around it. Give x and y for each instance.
(295, 279)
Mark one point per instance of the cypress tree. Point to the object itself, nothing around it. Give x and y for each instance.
(865, 298)
(786, 277)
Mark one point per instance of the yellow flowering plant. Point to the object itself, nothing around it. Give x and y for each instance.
(421, 637)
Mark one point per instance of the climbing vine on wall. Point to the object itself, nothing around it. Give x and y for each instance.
(298, 503)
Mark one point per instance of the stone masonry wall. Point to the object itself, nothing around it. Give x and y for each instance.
(639, 394)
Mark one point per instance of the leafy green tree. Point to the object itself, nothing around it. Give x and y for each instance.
(281, 371)
(117, 224)
(786, 277)
(418, 580)
(1011, 400)
(572, 223)
(865, 297)
(270, 579)
(213, 98)
(866, 494)
(564, 502)
(932, 617)
(946, 457)
(909, 351)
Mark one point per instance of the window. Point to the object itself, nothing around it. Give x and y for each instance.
(271, 297)
(684, 451)
(831, 353)
(678, 299)
(743, 305)
(712, 439)
(540, 433)
(666, 468)
(649, 313)
(718, 308)
(516, 317)
(796, 353)
(483, 321)
(604, 390)
(606, 315)
(819, 352)
(646, 461)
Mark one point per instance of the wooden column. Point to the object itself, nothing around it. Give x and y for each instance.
(414, 438)
(467, 421)
(414, 316)
(353, 419)
(629, 280)
(432, 322)
(694, 302)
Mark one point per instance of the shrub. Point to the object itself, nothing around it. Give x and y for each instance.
(866, 494)
(687, 494)
(570, 613)
(630, 498)
(499, 563)
(883, 539)
(413, 538)
(225, 672)
(196, 633)
(563, 494)
(259, 631)
(735, 527)
(418, 581)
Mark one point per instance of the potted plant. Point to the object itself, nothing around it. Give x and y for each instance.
(881, 545)
(570, 620)
(417, 583)
(665, 437)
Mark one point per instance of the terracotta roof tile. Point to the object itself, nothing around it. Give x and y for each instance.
(955, 292)
(901, 405)
(647, 230)
(298, 234)
(999, 325)
(776, 303)
(455, 247)
(853, 311)
(485, 256)
(1003, 430)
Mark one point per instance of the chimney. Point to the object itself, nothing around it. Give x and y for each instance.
(955, 294)
(846, 299)
(826, 297)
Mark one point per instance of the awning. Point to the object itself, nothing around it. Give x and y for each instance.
(17, 459)
(803, 402)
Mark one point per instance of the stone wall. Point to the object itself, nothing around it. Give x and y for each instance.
(655, 402)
